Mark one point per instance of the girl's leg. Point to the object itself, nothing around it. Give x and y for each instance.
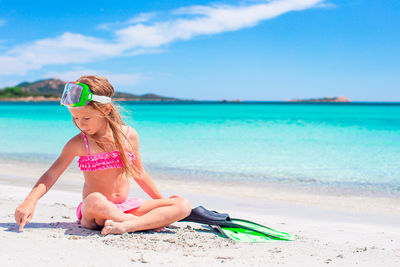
(153, 214)
(96, 209)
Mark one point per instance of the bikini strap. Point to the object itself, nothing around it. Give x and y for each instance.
(129, 130)
(86, 143)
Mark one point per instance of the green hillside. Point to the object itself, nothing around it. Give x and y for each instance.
(54, 88)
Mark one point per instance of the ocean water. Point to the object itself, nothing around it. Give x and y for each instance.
(353, 145)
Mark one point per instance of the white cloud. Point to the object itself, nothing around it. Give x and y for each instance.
(65, 49)
(141, 18)
(2, 22)
(326, 5)
(75, 48)
(216, 19)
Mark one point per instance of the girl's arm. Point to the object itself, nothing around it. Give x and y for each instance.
(144, 180)
(146, 183)
(24, 213)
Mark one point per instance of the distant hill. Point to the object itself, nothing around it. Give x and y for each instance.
(51, 90)
(52, 87)
(324, 99)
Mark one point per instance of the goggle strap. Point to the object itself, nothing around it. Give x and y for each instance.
(100, 98)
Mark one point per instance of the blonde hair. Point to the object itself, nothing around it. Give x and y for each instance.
(101, 86)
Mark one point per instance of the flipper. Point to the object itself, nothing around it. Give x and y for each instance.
(263, 229)
(231, 227)
(242, 235)
(205, 216)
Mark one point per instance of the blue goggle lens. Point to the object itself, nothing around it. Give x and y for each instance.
(72, 94)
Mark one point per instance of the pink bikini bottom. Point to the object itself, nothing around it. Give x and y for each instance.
(130, 204)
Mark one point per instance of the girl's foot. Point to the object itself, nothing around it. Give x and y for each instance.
(111, 227)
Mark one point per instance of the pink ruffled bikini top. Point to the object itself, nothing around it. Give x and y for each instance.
(102, 161)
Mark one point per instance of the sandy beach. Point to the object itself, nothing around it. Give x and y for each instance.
(338, 230)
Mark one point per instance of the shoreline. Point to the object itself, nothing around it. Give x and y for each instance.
(26, 174)
(277, 102)
(57, 99)
(306, 186)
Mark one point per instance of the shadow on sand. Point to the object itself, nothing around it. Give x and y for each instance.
(73, 228)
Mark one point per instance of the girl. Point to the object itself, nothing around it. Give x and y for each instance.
(108, 152)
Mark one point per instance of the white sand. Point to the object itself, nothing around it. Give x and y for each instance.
(332, 230)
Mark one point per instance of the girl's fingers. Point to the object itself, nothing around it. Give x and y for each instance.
(22, 217)
(17, 217)
(22, 224)
(28, 219)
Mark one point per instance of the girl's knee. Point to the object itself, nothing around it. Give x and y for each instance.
(184, 206)
(94, 201)
(94, 196)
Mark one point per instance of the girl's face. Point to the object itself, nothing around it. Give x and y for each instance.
(88, 119)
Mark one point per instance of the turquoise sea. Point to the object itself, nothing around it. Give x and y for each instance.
(353, 145)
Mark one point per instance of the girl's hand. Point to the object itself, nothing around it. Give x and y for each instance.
(24, 214)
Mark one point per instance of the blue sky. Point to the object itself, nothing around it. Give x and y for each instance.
(209, 50)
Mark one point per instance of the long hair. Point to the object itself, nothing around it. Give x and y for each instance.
(101, 86)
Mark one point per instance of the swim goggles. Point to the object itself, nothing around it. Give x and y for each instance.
(78, 95)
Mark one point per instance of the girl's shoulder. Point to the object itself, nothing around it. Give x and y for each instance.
(133, 137)
(77, 144)
(132, 132)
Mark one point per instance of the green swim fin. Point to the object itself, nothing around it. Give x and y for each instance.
(243, 235)
(230, 227)
(277, 235)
